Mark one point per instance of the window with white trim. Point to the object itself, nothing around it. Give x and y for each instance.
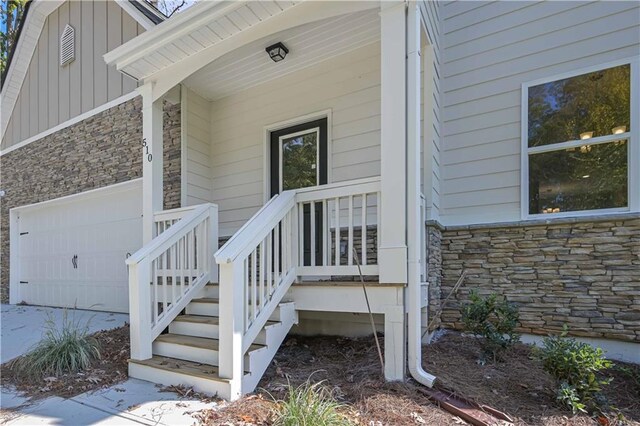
(577, 143)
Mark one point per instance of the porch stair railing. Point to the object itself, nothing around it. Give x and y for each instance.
(298, 233)
(166, 274)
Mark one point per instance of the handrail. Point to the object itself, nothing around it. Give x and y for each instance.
(171, 234)
(166, 274)
(172, 214)
(256, 228)
(261, 261)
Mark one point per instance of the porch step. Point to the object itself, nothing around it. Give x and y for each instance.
(188, 355)
(210, 306)
(195, 349)
(170, 371)
(209, 327)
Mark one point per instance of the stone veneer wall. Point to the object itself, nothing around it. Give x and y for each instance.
(434, 276)
(584, 273)
(102, 150)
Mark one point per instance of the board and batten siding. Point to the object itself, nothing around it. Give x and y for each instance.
(51, 94)
(489, 49)
(197, 149)
(348, 85)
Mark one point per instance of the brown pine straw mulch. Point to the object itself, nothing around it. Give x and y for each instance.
(109, 370)
(517, 386)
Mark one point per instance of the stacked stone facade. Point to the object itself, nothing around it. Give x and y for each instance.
(583, 273)
(102, 150)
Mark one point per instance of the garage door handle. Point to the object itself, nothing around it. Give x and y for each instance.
(74, 261)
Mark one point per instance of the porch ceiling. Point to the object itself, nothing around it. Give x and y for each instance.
(179, 47)
(308, 45)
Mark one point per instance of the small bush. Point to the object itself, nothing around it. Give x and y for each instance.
(576, 367)
(310, 405)
(494, 320)
(65, 350)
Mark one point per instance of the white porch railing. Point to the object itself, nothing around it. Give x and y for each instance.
(305, 232)
(164, 219)
(167, 273)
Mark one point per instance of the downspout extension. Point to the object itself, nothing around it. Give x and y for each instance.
(413, 301)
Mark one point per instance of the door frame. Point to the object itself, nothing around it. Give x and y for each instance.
(266, 145)
(14, 227)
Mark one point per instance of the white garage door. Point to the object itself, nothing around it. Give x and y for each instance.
(72, 252)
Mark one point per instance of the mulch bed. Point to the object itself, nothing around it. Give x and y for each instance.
(516, 386)
(519, 386)
(110, 369)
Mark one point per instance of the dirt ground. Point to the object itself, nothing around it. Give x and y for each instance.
(110, 369)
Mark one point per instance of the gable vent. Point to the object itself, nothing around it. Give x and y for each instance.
(67, 45)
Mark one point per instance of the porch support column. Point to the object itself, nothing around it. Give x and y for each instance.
(392, 255)
(152, 178)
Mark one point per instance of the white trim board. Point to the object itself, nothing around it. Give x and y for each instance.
(633, 164)
(71, 122)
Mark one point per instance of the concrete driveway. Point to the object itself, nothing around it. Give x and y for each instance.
(133, 402)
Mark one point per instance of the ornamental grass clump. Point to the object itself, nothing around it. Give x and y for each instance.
(67, 349)
(310, 405)
(577, 368)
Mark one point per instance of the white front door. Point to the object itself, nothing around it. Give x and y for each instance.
(72, 253)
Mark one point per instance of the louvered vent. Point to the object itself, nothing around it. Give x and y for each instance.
(67, 45)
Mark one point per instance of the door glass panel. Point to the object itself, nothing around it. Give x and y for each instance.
(299, 167)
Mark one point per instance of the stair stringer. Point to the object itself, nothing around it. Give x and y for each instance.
(275, 335)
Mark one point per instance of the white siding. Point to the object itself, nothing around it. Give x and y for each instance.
(51, 94)
(431, 52)
(488, 50)
(197, 149)
(349, 85)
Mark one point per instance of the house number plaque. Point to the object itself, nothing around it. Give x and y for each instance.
(146, 150)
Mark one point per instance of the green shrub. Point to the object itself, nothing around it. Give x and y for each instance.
(493, 319)
(65, 350)
(310, 405)
(576, 368)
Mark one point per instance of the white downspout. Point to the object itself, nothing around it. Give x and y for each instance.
(414, 229)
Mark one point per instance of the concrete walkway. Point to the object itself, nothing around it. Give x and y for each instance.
(133, 402)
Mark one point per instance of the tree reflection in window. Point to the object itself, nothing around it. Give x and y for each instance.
(579, 175)
(299, 161)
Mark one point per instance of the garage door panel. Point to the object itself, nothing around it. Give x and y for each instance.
(100, 229)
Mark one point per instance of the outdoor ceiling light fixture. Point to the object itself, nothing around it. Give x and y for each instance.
(277, 52)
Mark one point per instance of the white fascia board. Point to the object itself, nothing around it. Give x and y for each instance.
(138, 16)
(38, 13)
(168, 31)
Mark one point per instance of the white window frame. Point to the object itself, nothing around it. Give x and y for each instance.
(633, 136)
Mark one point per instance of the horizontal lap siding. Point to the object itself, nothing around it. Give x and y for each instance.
(198, 149)
(489, 50)
(349, 85)
(431, 69)
(51, 94)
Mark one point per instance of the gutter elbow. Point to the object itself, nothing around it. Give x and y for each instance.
(421, 376)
